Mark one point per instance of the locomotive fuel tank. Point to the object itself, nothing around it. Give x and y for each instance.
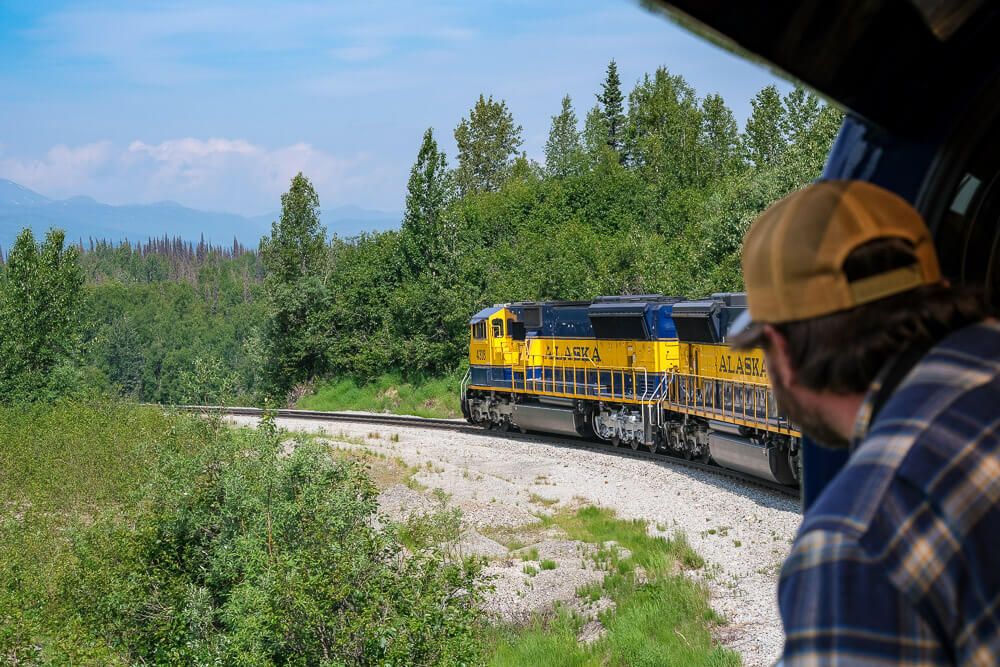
(754, 458)
(547, 419)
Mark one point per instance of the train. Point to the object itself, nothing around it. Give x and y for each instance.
(649, 372)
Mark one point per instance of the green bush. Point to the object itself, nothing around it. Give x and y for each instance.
(427, 397)
(222, 548)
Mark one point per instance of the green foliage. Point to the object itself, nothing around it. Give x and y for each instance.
(802, 109)
(595, 140)
(297, 329)
(151, 539)
(424, 234)
(664, 132)
(487, 145)
(295, 247)
(428, 397)
(40, 299)
(720, 138)
(662, 618)
(437, 529)
(652, 196)
(764, 139)
(563, 151)
(153, 341)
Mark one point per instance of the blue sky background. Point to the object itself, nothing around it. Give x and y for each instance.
(217, 104)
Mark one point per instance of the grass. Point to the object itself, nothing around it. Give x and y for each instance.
(530, 554)
(43, 462)
(432, 397)
(542, 500)
(383, 470)
(664, 621)
(61, 466)
(110, 521)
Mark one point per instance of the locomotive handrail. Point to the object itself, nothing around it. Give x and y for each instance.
(464, 386)
(734, 400)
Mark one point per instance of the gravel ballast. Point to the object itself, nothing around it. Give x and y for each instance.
(743, 532)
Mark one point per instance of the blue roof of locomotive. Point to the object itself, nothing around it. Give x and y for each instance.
(571, 319)
(484, 314)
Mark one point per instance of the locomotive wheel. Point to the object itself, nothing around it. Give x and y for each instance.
(705, 456)
(689, 448)
(503, 426)
(653, 446)
(616, 441)
(634, 442)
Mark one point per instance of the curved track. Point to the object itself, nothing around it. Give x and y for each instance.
(462, 425)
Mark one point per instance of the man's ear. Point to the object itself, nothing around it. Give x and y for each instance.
(779, 358)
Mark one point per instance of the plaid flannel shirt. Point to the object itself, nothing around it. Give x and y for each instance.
(898, 561)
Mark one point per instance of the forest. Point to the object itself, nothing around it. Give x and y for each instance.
(651, 192)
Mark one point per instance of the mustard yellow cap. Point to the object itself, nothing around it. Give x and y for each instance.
(794, 252)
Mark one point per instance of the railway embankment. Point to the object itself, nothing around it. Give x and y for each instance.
(520, 503)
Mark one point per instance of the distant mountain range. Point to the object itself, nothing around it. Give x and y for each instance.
(83, 218)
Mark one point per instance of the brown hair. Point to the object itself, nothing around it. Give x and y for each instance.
(843, 352)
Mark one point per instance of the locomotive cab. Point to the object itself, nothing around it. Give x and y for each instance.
(496, 339)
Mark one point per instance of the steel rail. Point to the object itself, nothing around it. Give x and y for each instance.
(464, 426)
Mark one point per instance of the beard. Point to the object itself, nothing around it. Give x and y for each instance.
(811, 421)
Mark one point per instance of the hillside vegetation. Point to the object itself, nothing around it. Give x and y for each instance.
(133, 537)
(651, 192)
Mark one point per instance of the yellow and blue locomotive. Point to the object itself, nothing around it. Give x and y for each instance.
(646, 371)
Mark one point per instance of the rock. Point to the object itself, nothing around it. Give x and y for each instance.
(591, 632)
(398, 502)
(471, 543)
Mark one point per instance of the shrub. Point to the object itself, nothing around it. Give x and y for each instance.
(233, 552)
(245, 555)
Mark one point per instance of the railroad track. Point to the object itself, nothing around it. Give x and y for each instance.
(465, 427)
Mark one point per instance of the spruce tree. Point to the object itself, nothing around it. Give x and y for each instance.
(613, 108)
(563, 152)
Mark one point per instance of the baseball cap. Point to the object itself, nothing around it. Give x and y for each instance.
(794, 253)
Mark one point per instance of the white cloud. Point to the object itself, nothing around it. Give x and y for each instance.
(216, 173)
(184, 41)
(62, 168)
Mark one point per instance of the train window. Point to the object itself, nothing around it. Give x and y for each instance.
(620, 328)
(516, 330)
(967, 216)
(498, 328)
(975, 212)
(479, 330)
(532, 317)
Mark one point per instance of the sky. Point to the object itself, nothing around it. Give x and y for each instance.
(216, 104)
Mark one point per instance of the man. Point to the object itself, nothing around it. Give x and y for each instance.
(868, 348)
